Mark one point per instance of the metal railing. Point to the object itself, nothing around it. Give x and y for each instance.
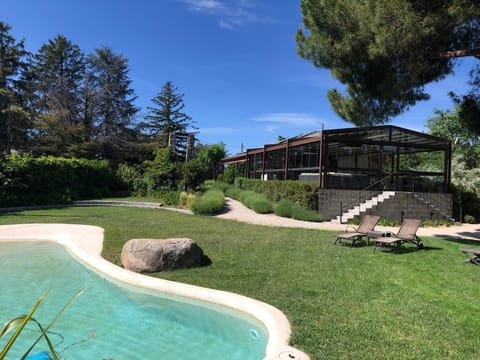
(438, 202)
(365, 194)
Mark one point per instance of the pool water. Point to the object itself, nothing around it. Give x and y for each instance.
(111, 322)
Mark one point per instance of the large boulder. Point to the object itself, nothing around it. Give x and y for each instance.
(154, 255)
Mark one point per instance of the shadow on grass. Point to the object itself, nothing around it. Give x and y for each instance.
(406, 250)
(462, 241)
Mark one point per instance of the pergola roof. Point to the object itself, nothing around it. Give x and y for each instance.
(404, 140)
(386, 135)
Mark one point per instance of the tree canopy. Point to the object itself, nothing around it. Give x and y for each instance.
(386, 51)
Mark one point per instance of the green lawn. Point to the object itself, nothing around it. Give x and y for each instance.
(343, 303)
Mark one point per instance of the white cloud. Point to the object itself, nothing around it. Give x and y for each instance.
(232, 13)
(204, 5)
(291, 119)
(226, 25)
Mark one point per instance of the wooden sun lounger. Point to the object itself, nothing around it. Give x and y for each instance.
(406, 233)
(474, 255)
(364, 229)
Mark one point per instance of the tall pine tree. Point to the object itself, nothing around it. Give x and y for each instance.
(14, 121)
(168, 124)
(111, 103)
(57, 71)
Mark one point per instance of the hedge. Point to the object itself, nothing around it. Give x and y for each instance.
(26, 180)
(299, 192)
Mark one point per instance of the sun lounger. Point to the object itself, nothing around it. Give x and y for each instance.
(406, 233)
(474, 255)
(364, 229)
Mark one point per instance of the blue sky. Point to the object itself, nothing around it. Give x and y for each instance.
(235, 61)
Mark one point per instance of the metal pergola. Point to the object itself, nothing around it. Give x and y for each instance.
(355, 158)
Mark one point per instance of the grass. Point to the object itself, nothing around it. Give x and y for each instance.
(342, 302)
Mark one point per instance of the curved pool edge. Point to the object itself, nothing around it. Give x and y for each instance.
(73, 238)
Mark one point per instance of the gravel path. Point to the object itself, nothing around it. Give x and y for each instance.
(235, 210)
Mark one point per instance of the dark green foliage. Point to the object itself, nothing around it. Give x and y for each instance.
(211, 157)
(169, 197)
(110, 103)
(48, 180)
(57, 73)
(212, 202)
(14, 121)
(160, 174)
(385, 51)
(193, 174)
(233, 171)
(126, 176)
(299, 192)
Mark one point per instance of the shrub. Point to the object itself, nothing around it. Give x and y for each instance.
(262, 205)
(126, 175)
(183, 199)
(233, 192)
(287, 208)
(211, 202)
(169, 197)
(284, 208)
(469, 219)
(300, 213)
(246, 197)
(257, 202)
(220, 185)
(186, 200)
(190, 200)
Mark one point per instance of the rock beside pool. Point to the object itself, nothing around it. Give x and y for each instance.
(154, 255)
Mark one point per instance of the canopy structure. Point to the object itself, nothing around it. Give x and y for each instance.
(386, 157)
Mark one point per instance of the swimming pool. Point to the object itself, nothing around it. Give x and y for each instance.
(107, 321)
(263, 321)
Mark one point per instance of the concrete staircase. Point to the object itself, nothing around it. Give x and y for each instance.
(364, 207)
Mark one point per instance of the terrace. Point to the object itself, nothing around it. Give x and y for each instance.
(367, 161)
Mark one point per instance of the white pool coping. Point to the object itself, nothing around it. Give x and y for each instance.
(85, 242)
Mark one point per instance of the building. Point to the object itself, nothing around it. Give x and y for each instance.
(362, 167)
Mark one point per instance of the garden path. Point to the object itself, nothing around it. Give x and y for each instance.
(235, 210)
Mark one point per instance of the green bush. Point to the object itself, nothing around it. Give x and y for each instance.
(169, 197)
(233, 192)
(246, 197)
(299, 192)
(469, 219)
(220, 185)
(126, 176)
(287, 208)
(262, 205)
(284, 208)
(257, 202)
(48, 180)
(211, 202)
(300, 213)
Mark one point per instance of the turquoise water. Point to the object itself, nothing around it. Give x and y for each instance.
(111, 322)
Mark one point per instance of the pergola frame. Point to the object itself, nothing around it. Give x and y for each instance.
(352, 158)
